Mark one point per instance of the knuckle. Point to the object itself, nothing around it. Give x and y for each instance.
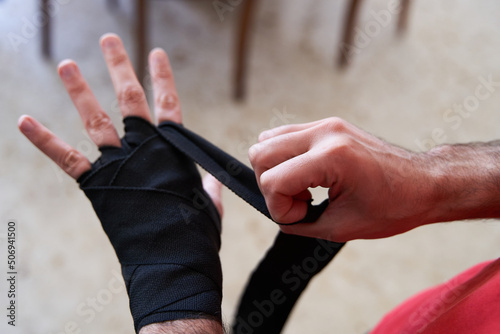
(69, 160)
(131, 94)
(43, 139)
(118, 59)
(76, 89)
(99, 123)
(341, 148)
(336, 124)
(161, 73)
(167, 101)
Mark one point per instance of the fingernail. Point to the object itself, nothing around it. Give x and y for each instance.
(67, 71)
(26, 125)
(109, 42)
(155, 59)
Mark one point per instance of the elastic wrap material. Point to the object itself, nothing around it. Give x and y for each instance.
(162, 224)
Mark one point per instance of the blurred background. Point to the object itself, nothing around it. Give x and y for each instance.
(416, 88)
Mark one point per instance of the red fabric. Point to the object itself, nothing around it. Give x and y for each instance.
(468, 303)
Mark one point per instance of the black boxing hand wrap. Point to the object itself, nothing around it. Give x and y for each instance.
(163, 226)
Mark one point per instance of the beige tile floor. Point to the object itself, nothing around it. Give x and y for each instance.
(397, 88)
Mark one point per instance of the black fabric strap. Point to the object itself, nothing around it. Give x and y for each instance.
(279, 280)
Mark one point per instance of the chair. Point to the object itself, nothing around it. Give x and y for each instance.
(141, 33)
(350, 23)
(141, 37)
(242, 37)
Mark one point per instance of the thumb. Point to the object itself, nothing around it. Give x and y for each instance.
(330, 225)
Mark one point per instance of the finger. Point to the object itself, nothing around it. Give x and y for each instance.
(327, 125)
(214, 189)
(131, 96)
(96, 121)
(285, 186)
(286, 129)
(70, 160)
(167, 106)
(275, 150)
(321, 228)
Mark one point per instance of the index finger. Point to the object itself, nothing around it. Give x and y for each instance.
(130, 94)
(283, 129)
(285, 186)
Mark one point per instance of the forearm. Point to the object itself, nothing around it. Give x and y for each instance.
(185, 326)
(466, 181)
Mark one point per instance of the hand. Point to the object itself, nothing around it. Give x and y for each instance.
(132, 102)
(140, 188)
(375, 189)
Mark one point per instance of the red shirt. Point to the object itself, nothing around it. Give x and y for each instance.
(468, 303)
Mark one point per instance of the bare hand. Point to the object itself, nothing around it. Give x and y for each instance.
(375, 189)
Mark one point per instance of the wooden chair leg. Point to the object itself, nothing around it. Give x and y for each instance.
(46, 38)
(141, 38)
(242, 46)
(346, 45)
(403, 16)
